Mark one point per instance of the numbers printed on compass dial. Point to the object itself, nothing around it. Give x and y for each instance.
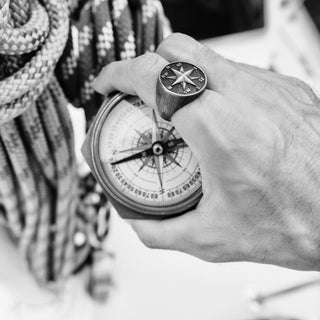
(144, 158)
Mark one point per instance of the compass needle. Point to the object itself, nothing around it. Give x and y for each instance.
(174, 144)
(133, 156)
(138, 148)
(177, 147)
(159, 165)
(155, 128)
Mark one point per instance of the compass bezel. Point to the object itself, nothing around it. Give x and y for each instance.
(166, 210)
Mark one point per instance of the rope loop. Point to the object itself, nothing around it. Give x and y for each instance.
(27, 38)
(21, 89)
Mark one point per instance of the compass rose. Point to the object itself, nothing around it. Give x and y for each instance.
(156, 149)
(182, 78)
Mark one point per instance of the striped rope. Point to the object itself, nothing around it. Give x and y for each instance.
(41, 71)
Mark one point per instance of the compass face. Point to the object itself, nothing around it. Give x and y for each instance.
(142, 160)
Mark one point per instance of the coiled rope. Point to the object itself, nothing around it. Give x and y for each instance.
(40, 72)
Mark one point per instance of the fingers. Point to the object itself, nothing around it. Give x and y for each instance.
(139, 77)
(191, 120)
(227, 77)
(170, 234)
(180, 47)
(136, 76)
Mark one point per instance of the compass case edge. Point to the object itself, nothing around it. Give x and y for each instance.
(125, 210)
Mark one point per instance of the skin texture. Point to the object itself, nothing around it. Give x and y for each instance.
(256, 136)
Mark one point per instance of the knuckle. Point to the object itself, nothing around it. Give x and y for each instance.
(213, 59)
(301, 84)
(236, 74)
(177, 36)
(108, 70)
(306, 92)
(260, 88)
(299, 89)
(148, 64)
(230, 73)
(150, 60)
(205, 53)
(172, 40)
(234, 77)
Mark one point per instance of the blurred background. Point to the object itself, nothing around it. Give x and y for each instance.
(205, 19)
(280, 35)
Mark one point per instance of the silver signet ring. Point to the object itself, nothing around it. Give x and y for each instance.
(179, 83)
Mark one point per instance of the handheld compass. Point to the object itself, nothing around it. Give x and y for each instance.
(141, 162)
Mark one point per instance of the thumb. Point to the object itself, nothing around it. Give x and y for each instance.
(173, 233)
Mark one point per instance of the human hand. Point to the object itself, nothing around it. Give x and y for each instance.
(256, 136)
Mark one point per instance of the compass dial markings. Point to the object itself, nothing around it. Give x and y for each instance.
(172, 159)
(125, 186)
(132, 134)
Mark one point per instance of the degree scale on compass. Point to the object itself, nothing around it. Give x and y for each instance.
(144, 158)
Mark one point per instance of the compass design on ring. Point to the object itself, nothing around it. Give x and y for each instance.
(183, 78)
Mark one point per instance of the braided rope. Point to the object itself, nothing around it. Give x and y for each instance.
(42, 162)
(4, 13)
(27, 38)
(39, 196)
(34, 73)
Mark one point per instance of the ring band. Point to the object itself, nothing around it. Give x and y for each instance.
(179, 83)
